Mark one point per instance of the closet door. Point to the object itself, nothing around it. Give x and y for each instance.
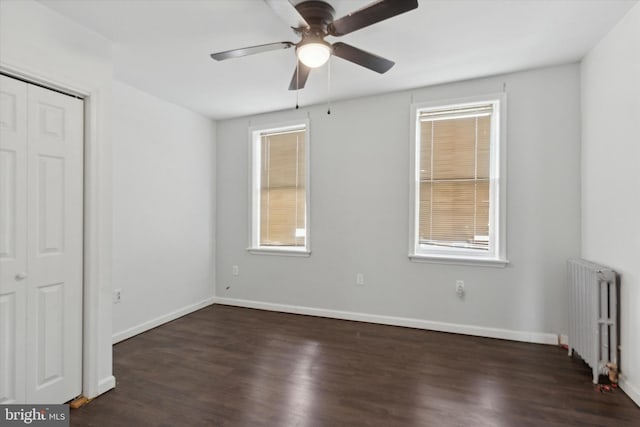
(43, 286)
(13, 238)
(54, 246)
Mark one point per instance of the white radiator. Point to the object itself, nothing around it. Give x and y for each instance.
(593, 314)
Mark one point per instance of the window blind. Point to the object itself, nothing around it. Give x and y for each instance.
(282, 189)
(455, 177)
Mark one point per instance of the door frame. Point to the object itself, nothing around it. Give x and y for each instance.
(96, 315)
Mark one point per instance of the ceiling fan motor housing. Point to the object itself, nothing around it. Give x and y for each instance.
(319, 15)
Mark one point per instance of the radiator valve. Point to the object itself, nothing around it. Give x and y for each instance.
(613, 372)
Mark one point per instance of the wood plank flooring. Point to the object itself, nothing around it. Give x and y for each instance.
(229, 366)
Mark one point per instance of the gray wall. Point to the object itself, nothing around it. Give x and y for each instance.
(610, 181)
(360, 211)
(163, 210)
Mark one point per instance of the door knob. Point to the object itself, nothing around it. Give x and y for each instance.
(21, 276)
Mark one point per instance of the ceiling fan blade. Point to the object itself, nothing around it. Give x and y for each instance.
(370, 14)
(236, 53)
(300, 76)
(288, 13)
(363, 58)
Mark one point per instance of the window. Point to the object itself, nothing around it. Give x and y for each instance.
(457, 185)
(280, 190)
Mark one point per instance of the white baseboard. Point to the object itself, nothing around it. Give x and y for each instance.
(631, 390)
(506, 334)
(106, 384)
(150, 324)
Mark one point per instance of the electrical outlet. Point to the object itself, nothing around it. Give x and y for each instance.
(460, 288)
(117, 296)
(235, 270)
(360, 279)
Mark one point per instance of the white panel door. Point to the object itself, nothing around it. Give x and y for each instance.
(47, 327)
(13, 238)
(54, 246)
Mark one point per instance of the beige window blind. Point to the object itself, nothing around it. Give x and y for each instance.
(282, 189)
(455, 177)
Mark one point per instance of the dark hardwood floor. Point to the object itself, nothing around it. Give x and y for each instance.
(228, 366)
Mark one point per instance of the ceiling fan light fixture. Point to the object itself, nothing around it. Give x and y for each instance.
(314, 54)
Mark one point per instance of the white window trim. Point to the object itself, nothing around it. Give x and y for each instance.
(254, 190)
(497, 256)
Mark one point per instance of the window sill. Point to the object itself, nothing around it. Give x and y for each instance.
(459, 260)
(280, 251)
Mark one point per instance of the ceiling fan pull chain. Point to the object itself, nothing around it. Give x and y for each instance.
(297, 82)
(329, 86)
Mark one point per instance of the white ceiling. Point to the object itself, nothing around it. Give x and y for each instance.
(163, 46)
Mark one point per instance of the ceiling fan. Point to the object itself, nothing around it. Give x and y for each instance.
(313, 20)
